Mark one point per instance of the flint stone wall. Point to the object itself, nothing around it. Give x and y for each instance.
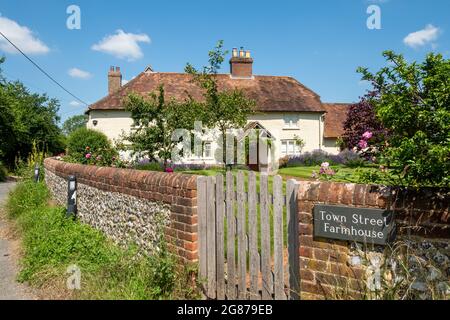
(132, 206)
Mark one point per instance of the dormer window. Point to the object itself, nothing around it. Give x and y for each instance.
(291, 122)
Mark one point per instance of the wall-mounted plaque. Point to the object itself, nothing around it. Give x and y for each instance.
(371, 226)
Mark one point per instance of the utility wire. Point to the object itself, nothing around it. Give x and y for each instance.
(32, 85)
(42, 70)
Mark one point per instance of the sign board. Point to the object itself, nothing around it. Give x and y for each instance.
(371, 226)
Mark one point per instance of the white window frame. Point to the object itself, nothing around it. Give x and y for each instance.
(205, 156)
(291, 122)
(290, 147)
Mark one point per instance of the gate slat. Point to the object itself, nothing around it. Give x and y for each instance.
(202, 214)
(231, 234)
(211, 238)
(267, 285)
(242, 254)
(278, 238)
(220, 238)
(293, 241)
(253, 236)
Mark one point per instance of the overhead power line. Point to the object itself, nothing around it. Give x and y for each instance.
(42, 70)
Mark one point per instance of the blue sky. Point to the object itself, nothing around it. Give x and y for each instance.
(320, 43)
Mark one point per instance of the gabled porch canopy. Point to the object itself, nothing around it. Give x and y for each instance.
(256, 126)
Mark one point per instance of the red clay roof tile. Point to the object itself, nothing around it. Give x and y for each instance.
(271, 93)
(334, 119)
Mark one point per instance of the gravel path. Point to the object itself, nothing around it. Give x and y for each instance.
(9, 288)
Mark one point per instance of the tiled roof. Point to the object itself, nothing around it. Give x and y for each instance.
(271, 93)
(334, 119)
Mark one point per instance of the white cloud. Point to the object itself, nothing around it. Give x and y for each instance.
(78, 73)
(75, 104)
(422, 37)
(22, 37)
(123, 45)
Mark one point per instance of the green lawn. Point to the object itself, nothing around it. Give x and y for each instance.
(343, 174)
(214, 172)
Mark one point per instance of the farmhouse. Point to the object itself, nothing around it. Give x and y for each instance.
(287, 110)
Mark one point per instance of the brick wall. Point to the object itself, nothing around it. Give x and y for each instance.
(326, 265)
(175, 191)
(421, 215)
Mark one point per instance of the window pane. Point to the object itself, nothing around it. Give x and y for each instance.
(284, 147)
(207, 150)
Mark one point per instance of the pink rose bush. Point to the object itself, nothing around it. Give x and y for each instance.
(103, 157)
(325, 172)
(363, 144)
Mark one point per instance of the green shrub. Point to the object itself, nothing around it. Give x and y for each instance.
(412, 100)
(26, 197)
(88, 146)
(149, 166)
(25, 168)
(283, 162)
(3, 173)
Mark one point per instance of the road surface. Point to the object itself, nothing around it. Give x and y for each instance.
(10, 289)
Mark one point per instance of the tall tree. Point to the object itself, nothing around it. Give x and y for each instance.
(227, 109)
(26, 118)
(414, 103)
(155, 120)
(73, 123)
(361, 118)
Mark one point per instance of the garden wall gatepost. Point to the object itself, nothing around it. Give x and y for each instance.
(335, 268)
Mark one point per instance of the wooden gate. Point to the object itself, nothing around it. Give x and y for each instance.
(248, 237)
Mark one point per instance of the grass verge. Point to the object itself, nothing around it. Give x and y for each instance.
(53, 243)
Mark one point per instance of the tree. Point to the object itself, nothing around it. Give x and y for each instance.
(413, 101)
(155, 120)
(73, 123)
(227, 109)
(361, 119)
(26, 118)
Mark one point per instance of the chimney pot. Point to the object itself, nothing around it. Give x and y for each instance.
(114, 80)
(241, 64)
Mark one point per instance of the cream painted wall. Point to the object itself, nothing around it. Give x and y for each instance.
(110, 122)
(329, 145)
(309, 128)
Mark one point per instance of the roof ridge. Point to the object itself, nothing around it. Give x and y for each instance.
(274, 93)
(228, 74)
(339, 103)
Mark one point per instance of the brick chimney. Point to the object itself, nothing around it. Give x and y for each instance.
(241, 64)
(114, 79)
